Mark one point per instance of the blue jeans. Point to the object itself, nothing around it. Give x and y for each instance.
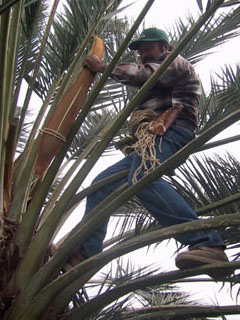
(159, 198)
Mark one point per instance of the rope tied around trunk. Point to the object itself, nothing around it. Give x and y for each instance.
(53, 133)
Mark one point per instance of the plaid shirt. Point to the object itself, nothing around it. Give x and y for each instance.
(179, 84)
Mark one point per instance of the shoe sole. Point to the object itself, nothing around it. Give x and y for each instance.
(186, 262)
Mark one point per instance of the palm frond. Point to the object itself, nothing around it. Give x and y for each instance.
(217, 31)
(183, 312)
(223, 98)
(207, 180)
(117, 292)
(68, 32)
(37, 276)
(33, 23)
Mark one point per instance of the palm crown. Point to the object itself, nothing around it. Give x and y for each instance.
(45, 51)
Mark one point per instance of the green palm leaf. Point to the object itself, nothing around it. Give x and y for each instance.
(223, 98)
(217, 31)
(208, 181)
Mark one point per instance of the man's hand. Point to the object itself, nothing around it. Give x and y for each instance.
(94, 64)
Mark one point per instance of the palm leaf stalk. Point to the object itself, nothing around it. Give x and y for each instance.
(18, 202)
(20, 198)
(8, 170)
(4, 39)
(96, 186)
(31, 215)
(37, 64)
(221, 203)
(5, 6)
(88, 268)
(230, 3)
(183, 311)
(218, 143)
(39, 13)
(12, 55)
(186, 280)
(119, 274)
(30, 28)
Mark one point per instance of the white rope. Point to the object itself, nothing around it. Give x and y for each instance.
(141, 122)
(53, 133)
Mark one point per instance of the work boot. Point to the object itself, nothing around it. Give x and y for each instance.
(72, 261)
(200, 256)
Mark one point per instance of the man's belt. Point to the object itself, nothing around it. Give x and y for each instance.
(185, 124)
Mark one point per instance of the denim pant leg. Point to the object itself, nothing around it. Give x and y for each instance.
(93, 244)
(159, 198)
(163, 202)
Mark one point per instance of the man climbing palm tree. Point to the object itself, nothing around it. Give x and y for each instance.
(164, 121)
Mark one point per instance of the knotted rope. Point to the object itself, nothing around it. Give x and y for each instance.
(140, 124)
(53, 133)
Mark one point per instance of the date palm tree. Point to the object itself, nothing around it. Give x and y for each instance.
(43, 51)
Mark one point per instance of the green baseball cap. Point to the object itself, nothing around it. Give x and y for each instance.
(149, 35)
